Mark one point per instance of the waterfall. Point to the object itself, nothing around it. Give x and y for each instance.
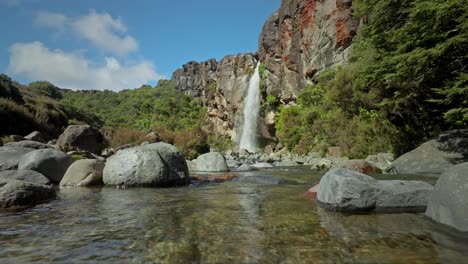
(251, 112)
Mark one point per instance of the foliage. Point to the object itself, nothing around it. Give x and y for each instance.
(46, 89)
(9, 90)
(288, 124)
(261, 70)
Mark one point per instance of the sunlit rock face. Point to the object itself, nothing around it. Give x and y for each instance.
(301, 39)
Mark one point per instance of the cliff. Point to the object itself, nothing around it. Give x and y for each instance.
(297, 42)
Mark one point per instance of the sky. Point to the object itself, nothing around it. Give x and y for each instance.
(122, 44)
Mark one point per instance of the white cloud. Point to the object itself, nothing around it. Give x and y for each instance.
(55, 21)
(71, 70)
(106, 33)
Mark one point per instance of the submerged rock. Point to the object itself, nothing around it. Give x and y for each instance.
(449, 201)
(260, 179)
(312, 192)
(15, 193)
(156, 165)
(24, 175)
(347, 190)
(211, 162)
(85, 172)
(50, 162)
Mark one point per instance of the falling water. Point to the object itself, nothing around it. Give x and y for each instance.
(251, 111)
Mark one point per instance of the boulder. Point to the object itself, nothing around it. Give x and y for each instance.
(18, 194)
(347, 190)
(268, 150)
(382, 161)
(24, 175)
(156, 165)
(10, 155)
(434, 156)
(16, 138)
(449, 201)
(35, 136)
(1, 142)
(29, 144)
(50, 162)
(211, 162)
(350, 191)
(192, 165)
(358, 165)
(85, 172)
(82, 137)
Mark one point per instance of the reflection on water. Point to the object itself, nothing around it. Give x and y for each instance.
(230, 222)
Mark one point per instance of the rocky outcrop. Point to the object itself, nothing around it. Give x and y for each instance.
(347, 190)
(85, 172)
(18, 194)
(211, 162)
(50, 162)
(154, 165)
(448, 204)
(301, 39)
(435, 156)
(82, 137)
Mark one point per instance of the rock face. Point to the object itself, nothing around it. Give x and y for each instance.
(155, 165)
(221, 86)
(434, 156)
(50, 162)
(82, 137)
(347, 190)
(35, 136)
(448, 203)
(211, 162)
(15, 193)
(301, 39)
(24, 175)
(10, 155)
(85, 172)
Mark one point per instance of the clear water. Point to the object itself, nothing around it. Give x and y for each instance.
(251, 112)
(219, 223)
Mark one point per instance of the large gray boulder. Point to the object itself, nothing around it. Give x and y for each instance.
(24, 175)
(211, 162)
(449, 201)
(50, 162)
(434, 156)
(156, 165)
(85, 172)
(18, 194)
(82, 137)
(29, 144)
(35, 136)
(10, 155)
(347, 190)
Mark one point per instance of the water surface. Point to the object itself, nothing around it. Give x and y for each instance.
(219, 223)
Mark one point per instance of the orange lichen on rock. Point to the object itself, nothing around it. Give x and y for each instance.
(306, 18)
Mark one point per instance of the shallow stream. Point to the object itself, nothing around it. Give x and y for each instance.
(231, 222)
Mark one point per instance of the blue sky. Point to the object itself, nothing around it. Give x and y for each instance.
(117, 44)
